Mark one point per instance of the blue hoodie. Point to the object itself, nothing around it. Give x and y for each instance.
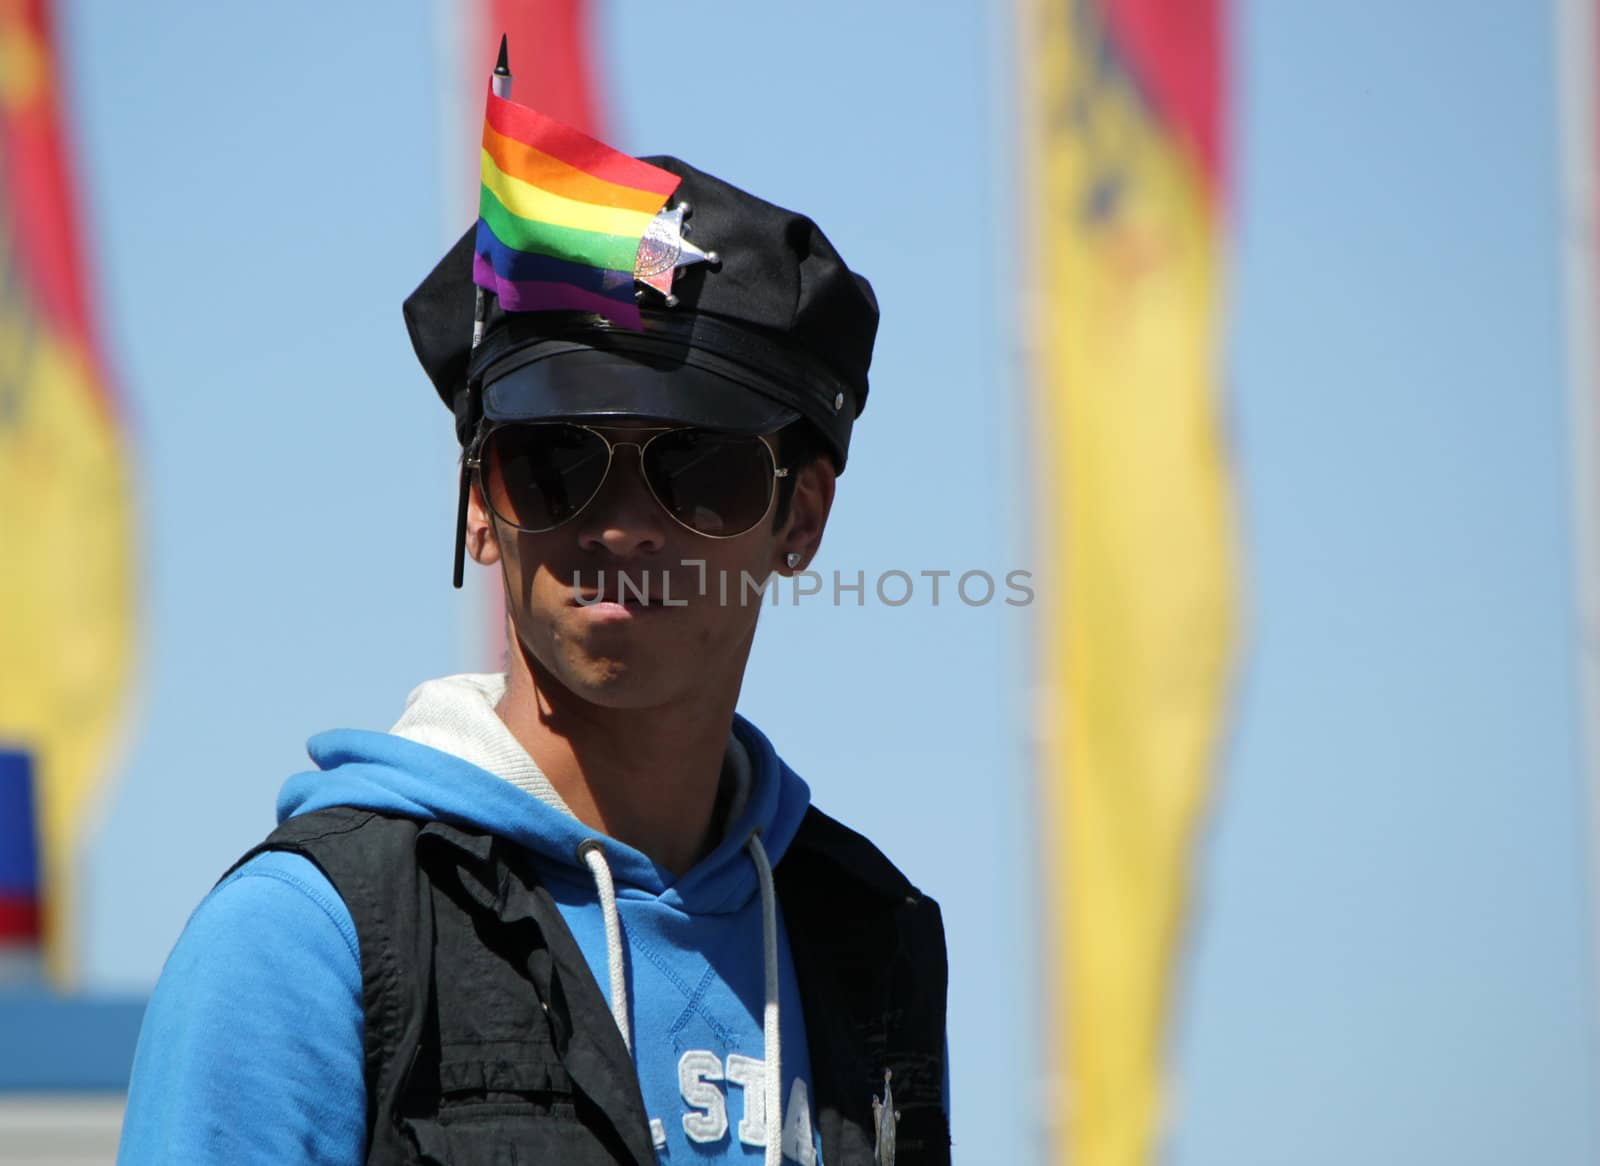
(251, 1049)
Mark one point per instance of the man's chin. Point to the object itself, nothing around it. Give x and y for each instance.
(616, 682)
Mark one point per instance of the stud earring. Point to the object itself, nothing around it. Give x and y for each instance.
(793, 559)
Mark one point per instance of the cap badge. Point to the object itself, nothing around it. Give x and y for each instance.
(663, 250)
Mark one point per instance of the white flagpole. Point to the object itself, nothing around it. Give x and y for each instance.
(1576, 27)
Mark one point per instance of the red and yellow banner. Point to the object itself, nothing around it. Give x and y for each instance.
(66, 556)
(550, 58)
(1126, 145)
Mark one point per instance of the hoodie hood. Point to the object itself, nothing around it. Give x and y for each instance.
(401, 775)
(697, 969)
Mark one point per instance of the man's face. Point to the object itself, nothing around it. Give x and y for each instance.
(624, 607)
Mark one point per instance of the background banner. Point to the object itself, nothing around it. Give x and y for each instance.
(1135, 516)
(67, 594)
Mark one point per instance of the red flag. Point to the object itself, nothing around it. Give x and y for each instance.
(549, 41)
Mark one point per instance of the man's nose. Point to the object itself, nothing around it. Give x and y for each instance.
(624, 517)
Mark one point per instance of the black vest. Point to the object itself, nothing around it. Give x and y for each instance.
(489, 1043)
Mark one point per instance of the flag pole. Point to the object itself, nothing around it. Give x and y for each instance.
(1576, 28)
(500, 83)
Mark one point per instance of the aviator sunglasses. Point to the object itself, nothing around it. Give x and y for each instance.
(537, 475)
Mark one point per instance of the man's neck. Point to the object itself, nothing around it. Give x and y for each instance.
(645, 777)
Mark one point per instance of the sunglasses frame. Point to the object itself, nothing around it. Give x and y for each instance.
(474, 463)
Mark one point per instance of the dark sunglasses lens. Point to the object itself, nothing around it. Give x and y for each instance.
(538, 476)
(715, 483)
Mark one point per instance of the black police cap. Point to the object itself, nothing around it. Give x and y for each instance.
(778, 329)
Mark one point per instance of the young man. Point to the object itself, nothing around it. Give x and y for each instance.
(582, 912)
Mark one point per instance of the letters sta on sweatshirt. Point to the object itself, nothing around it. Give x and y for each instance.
(702, 1077)
(251, 1049)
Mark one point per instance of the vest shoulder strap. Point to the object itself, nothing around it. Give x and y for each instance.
(869, 952)
(484, 1027)
(369, 858)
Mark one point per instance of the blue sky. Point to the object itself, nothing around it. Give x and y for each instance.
(1390, 957)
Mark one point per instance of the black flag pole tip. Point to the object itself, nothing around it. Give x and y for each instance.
(502, 64)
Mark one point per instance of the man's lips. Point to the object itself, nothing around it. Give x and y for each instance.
(654, 597)
(591, 598)
(635, 589)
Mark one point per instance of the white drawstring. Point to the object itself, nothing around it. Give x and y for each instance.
(769, 959)
(594, 856)
(589, 850)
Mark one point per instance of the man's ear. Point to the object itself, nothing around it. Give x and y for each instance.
(482, 543)
(808, 514)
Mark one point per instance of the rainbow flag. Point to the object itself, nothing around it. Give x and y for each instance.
(1136, 517)
(560, 216)
(67, 584)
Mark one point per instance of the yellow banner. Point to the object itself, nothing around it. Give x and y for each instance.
(1137, 530)
(66, 543)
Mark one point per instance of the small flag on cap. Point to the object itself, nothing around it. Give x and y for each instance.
(561, 216)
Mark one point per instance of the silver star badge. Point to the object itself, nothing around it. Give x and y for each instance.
(663, 249)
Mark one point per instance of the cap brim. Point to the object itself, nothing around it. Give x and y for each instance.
(585, 383)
